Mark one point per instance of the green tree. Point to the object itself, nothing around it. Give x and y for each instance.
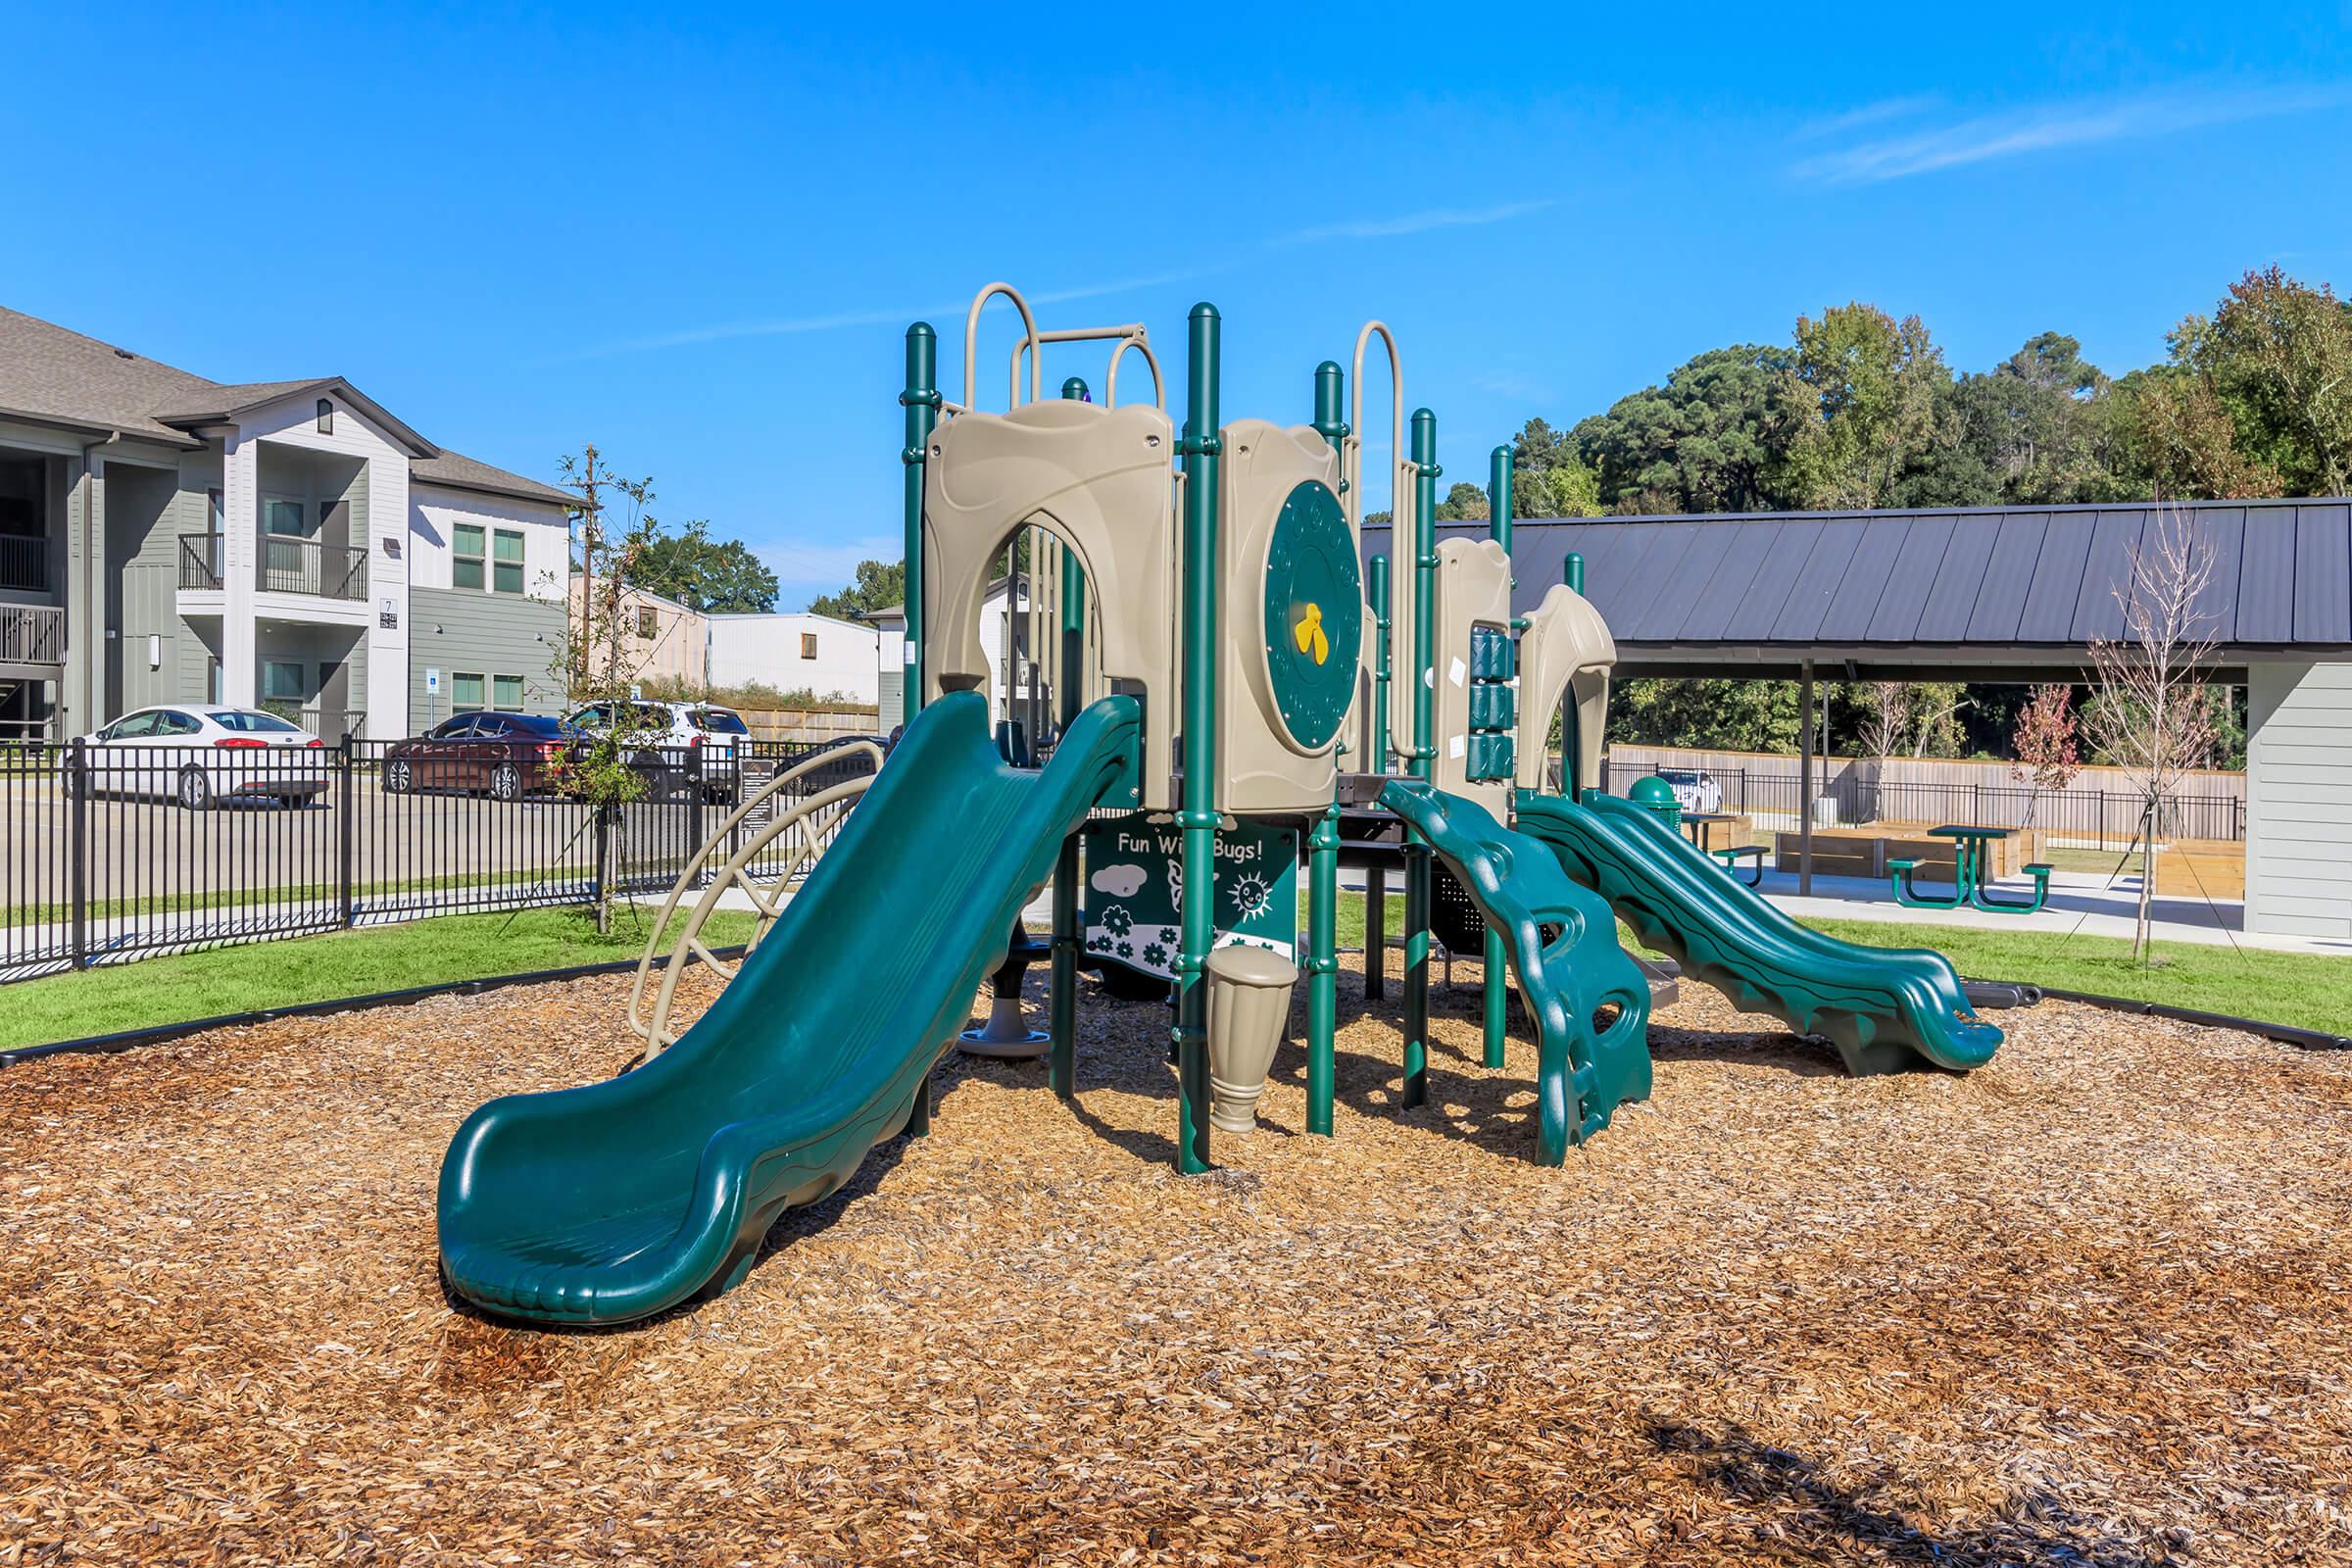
(2278, 354)
(1547, 477)
(718, 575)
(1465, 503)
(1713, 438)
(880, 584)
(1740, 716)
(1870, 408)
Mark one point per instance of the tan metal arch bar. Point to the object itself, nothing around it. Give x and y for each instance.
(971, 344)
(1133, 334)
(867, 749)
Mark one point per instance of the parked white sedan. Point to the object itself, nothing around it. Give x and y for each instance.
(199, 755)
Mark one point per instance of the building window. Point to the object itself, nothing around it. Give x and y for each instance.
(648, 623)
(506, 563)
(506, 690)
(464, 693)
(282, 684)
(807, 645)
(326, 417)
(468, 547)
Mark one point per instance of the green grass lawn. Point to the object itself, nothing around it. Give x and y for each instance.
(346, 963)
(2291, 988)
(2307, 990)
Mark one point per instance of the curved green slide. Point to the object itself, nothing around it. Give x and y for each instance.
(616, 1201)
(1885, 1009)
(1589, 1001)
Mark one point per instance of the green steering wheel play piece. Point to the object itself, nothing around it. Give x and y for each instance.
(1314, 618)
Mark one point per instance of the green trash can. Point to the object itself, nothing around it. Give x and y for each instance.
(1655, 793)
(1248, 1014)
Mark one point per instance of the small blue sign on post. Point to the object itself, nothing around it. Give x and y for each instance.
(1133, 909)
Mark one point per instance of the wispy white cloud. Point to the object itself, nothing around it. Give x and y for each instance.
(1413, 223)
(793, 325)
(1513, 385)
(2047, 127)
(1883, 109)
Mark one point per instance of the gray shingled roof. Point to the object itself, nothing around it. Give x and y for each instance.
(454, 471)
(50, 375)
(2012, 585)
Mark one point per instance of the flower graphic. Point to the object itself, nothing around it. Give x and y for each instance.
(1100, 944)
(1126, 949)
(1155, 956)
(1117, 921)
(1167, 935)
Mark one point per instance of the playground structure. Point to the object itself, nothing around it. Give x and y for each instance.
(1205, 633)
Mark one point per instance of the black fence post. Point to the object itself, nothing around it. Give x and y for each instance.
(698, 785)
(77, 848)
(346, 808)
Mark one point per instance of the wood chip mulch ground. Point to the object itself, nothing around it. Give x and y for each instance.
(2086, 1307)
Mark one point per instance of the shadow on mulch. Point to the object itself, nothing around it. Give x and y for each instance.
(1820, 1519)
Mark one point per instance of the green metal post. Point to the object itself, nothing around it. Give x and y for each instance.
(1375, 878)
(1200, 447)
(921, 403)
(1574, 566)
(1416, 849)
(1496, 984)
(1070, 691)
(1323, 863)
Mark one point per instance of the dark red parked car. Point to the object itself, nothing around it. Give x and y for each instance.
(507, 756)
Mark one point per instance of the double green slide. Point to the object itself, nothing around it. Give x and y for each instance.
(617, 1201)
(1550, 883)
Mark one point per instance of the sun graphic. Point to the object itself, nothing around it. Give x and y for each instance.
(1251, 896)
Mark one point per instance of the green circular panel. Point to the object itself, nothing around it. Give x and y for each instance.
(1314, 615)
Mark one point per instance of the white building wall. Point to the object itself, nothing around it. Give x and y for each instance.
(2299, 799)
(434, 513)
(770, 649)
(293, 422)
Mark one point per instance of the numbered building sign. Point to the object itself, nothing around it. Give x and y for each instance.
(1134, 897)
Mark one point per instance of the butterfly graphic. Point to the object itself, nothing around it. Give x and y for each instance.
(1310, 636)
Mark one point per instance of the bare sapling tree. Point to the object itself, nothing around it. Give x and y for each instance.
(597, 662)
(2148, 715)
(2042, 745)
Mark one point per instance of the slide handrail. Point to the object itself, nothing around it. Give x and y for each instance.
(971, 346)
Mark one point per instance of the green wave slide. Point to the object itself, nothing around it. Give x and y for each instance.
(1589, 999)
(1885, 1009)
(617, 1201)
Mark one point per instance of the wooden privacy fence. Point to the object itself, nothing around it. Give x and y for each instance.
(2101, 807)
(830, 722)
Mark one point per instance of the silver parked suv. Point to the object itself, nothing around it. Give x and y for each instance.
(671, 742)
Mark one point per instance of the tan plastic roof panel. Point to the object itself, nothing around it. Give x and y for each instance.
(1566, 650)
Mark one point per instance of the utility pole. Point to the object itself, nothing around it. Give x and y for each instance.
(587, 484)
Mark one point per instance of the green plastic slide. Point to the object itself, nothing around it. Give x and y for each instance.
(613, 1202)
(1589, 1001)
(1885, 1009)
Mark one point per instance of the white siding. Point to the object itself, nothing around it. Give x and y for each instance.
(2299, 799)
(433, 511)
(770, 649)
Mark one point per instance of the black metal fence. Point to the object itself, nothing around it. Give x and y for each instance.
(1851, 799)
(109, 854)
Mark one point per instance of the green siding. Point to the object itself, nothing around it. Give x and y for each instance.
(485, 634)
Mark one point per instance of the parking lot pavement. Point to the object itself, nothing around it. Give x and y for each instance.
(154, 853)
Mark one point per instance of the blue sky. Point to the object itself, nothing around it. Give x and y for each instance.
(696, 237)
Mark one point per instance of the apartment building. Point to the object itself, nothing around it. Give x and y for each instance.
(286, 544)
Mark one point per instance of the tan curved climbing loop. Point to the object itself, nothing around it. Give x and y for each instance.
(811, 822)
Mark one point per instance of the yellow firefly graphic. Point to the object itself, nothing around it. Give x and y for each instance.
(1309, 634)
